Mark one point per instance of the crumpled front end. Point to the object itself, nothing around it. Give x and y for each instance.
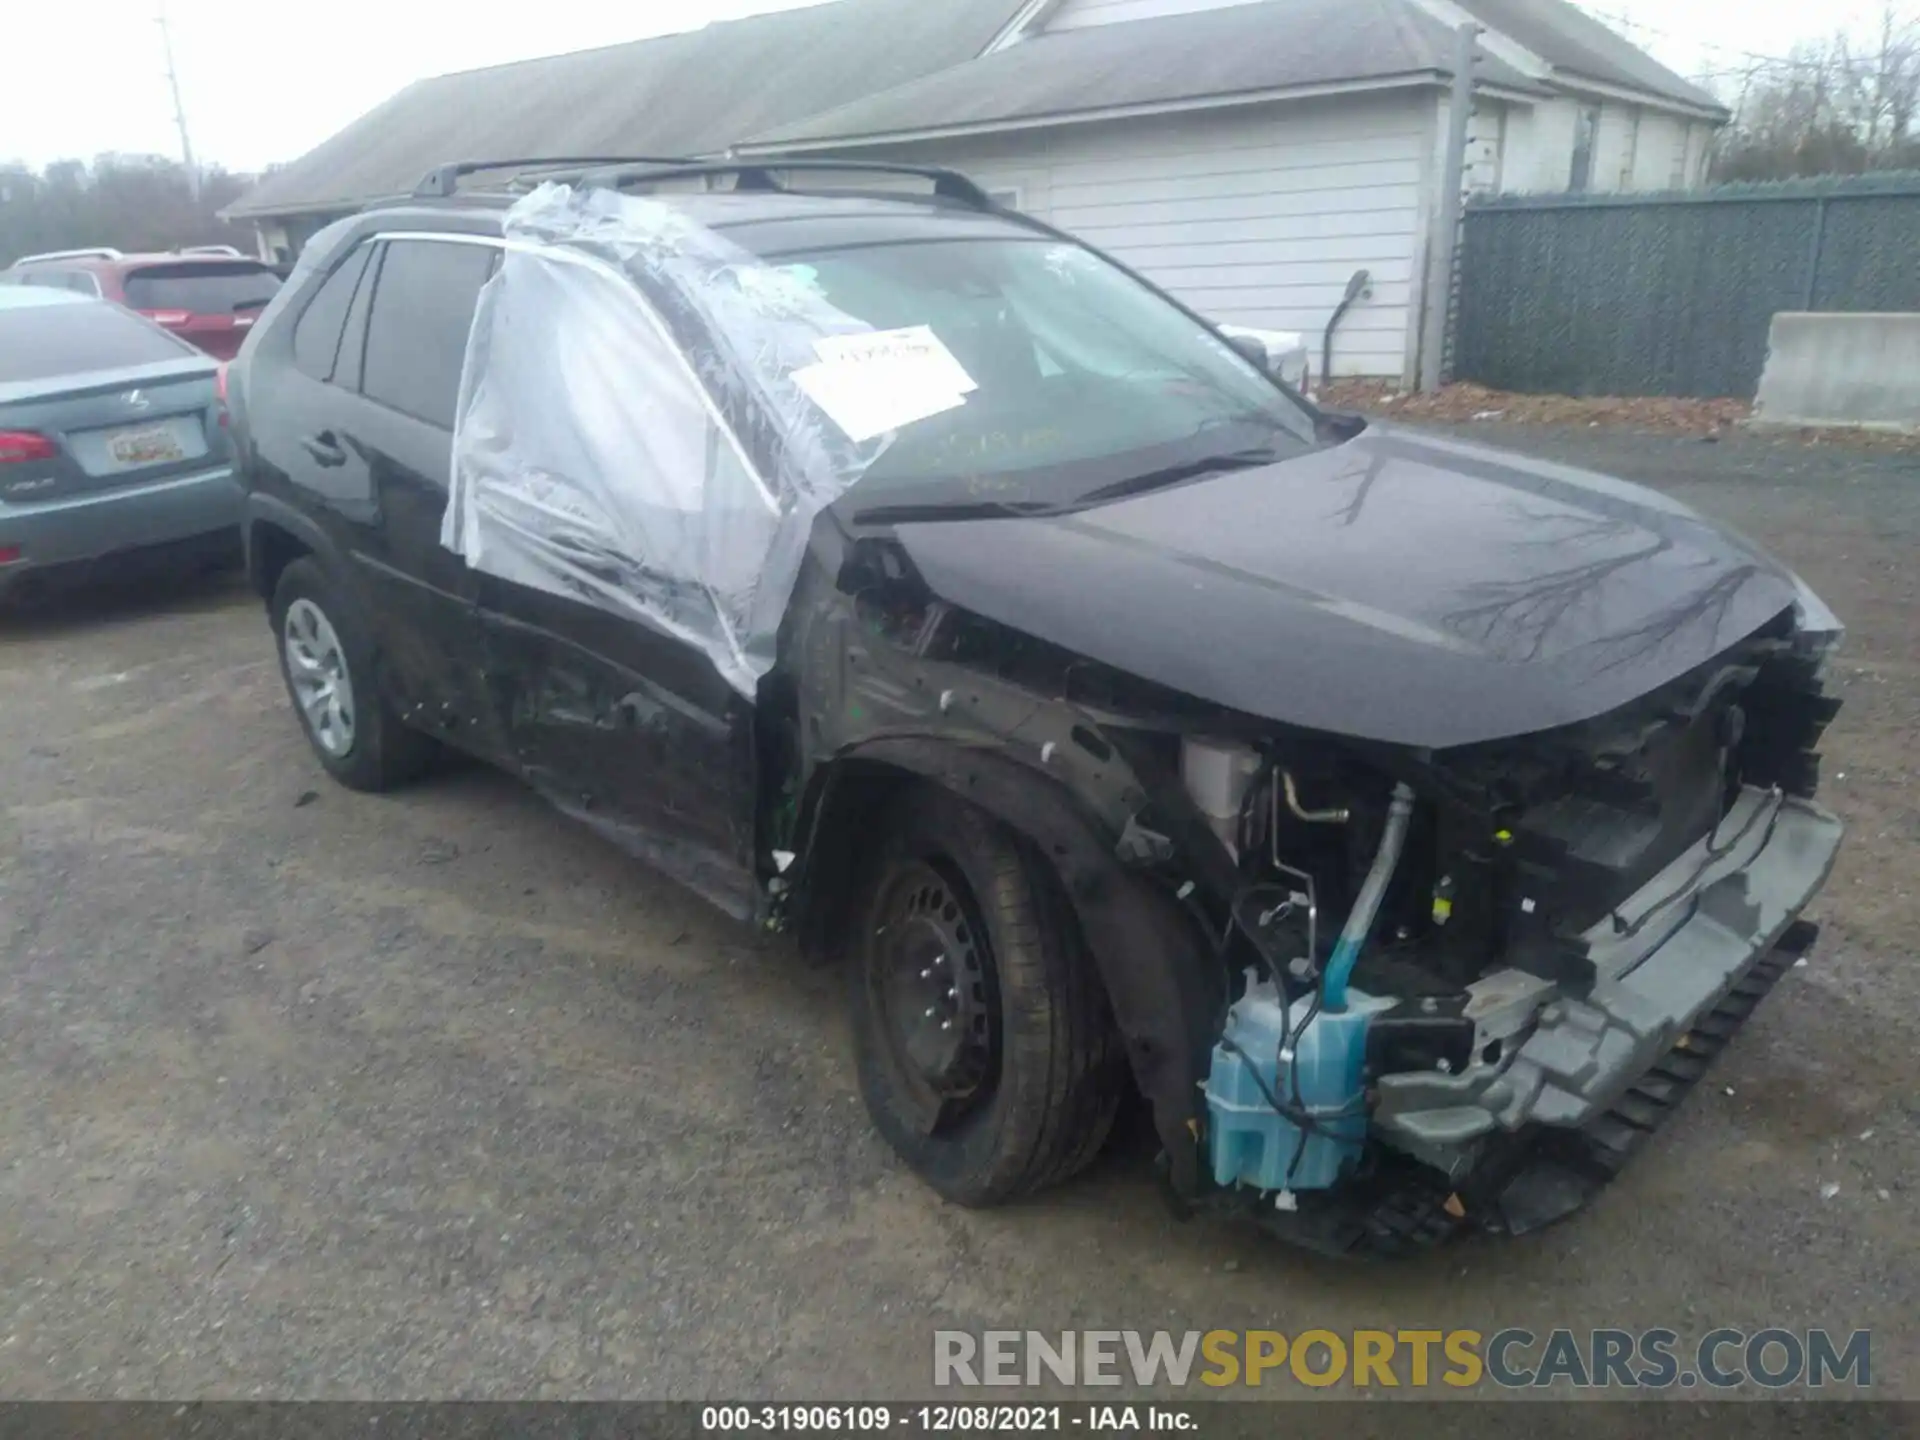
(1541, 1056)
(1556, 918)
(1374, 991)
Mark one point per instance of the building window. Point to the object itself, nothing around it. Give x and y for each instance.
(1586, 133)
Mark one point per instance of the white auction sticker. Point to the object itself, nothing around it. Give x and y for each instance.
(882, 379)
(916, 350)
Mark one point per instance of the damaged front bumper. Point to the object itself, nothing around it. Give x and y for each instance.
(1663, 960)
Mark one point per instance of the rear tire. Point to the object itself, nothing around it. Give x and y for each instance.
(986, 1051)
(326, 659)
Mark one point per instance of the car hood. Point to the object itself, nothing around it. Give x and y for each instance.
(1398, 587)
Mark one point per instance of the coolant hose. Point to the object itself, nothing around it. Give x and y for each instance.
(1353, 936)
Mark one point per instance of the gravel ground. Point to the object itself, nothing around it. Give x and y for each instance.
(312, 1094)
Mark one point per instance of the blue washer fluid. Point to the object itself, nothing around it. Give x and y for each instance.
(1251, 1143)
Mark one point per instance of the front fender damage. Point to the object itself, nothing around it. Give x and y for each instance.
(1164, 991)
(1226, 869)
(878, 692)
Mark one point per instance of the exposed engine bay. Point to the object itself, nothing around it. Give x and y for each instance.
(1418, 933)
(1348, 971)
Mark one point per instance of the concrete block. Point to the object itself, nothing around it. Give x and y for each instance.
(1839, 369)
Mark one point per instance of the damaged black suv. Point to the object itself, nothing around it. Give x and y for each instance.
(1407, 821)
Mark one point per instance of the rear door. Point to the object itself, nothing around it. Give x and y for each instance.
(399, 360)
(347, 403)
(93, 399)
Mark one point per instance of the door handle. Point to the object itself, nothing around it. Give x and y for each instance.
(324, 449)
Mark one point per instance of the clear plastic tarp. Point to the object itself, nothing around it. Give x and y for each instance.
(651, 418)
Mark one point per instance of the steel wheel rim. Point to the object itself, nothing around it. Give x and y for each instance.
(317, 670)
(934, 995)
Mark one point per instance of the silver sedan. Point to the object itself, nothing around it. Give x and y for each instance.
(113, 441)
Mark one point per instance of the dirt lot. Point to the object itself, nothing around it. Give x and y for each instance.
(311, 1093)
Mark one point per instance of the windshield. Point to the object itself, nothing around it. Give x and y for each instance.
(1085, 381)
(201, 287)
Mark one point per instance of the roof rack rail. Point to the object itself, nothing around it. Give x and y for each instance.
(223, 250)
(90, 252)
(443, 180)
(759, 175)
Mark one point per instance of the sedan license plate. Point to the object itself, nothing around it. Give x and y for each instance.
(145, 445)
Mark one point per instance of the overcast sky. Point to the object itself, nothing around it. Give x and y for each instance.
(266, 80)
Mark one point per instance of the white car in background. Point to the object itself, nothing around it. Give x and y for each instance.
(1286, 352)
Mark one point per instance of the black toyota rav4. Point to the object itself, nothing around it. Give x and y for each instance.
(1408, 822)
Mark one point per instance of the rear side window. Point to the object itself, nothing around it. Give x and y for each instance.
(316, 338)
(417, 333)
(353, 340)
(202, 288)
(39, 342)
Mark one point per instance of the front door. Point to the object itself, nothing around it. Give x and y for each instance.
(630, 729)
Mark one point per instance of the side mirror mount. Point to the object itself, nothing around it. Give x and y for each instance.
(1253, 348)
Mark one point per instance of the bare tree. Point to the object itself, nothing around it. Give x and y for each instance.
(1839, 106)
(131, 202)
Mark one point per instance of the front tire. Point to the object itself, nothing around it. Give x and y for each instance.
(986, 1051)
(326, 660)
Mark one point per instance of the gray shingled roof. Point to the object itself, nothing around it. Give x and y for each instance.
(858, 68)
(690, 94)
(1236, 50)
(1576, 44)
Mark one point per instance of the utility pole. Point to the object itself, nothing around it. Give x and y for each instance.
(1446, 236)
(179, 110)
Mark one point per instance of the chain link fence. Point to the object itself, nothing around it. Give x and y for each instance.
(1671, 294)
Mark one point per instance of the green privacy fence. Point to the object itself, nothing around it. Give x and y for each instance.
(1672, 294)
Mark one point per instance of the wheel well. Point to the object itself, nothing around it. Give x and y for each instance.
(843, 797)
(1152, 959)
(846, 796)
(270, 550)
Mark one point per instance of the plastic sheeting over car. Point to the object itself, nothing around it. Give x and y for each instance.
(647, 419)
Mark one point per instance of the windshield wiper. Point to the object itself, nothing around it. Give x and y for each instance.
(1174, 474)
(1031, 509)
(952, 510)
